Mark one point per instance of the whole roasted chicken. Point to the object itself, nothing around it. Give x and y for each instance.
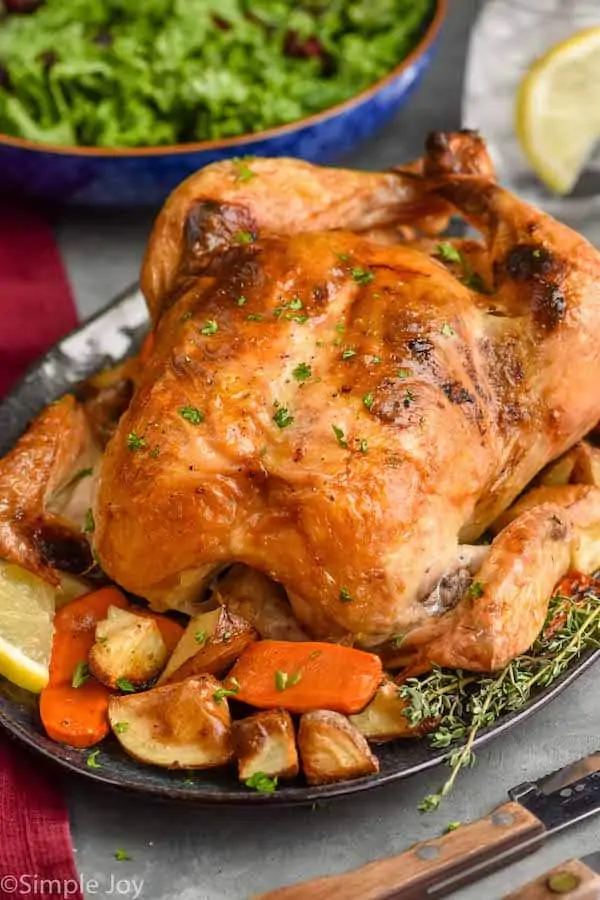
(341, 402)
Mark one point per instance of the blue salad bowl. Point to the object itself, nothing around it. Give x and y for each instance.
(144, 176)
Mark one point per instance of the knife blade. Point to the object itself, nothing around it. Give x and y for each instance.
(575, 879)
(433, 869)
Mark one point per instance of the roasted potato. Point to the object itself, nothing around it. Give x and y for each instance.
(210, 643)
(128, 647)
(266, 742)
(384, 720)
(332, 749)
(262, 602)
(180, 726)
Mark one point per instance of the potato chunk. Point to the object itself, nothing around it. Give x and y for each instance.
(266, 743)
(180, 726)
(384, 720)
(211, 643)
(332, 749)
(128, 647)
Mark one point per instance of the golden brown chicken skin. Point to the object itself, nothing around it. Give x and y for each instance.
(334, 410)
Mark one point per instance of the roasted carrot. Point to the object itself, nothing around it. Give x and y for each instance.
(572, 588)
(302, 676)
(77, 716)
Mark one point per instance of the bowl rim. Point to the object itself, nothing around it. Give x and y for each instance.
(427, 40)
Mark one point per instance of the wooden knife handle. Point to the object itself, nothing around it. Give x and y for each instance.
(572, 880)
(412, 872)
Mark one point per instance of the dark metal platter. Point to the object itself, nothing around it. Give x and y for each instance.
(104, 340)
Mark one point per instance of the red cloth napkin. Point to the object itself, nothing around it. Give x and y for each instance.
(36, 308)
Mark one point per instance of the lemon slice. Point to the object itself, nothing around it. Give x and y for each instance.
(26, 614)
(558, 110)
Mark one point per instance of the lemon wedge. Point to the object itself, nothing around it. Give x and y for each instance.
(558, 110)
(26, 615)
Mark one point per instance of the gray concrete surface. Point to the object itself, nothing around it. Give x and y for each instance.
(211, 854)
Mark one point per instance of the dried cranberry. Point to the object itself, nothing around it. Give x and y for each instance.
(22, 6)
(294, 46)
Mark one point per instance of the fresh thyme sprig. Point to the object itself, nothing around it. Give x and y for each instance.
(462, 704)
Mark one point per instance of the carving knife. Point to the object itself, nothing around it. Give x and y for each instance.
(435, 868)
(575, 879)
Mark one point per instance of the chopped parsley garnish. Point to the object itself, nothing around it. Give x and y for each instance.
(447, 330)
(125, 685)
(192, 414)
(92, 760)
(339, 434)
(302, 372)
(340, 327)
(348, 353)
(89, 523)
(363, 446)
(244, 172)
(397, 641)
(226, 635)
(315, 654)
(220, 693)
(343, 257)
(376, 360)
(81, 674)
(284, 681)
(122, 856)
(409, 398)
(403, 373)
(452, 826)
(368, 401)
(211, 327)
(474, 281)
(245, 237)
(289, 311)
(155, 452)
(200, 637)
(345, 595)
(254, 317)
(135, 441)
(120, 727)
(241, 300)
(187, 315)
(282, 417)
(362, 276)
(262, 783)
(448, 253)
(281, 680)
(476, 589)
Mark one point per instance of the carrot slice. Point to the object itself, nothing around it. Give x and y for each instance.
(302, 676)
(79, 716)
(75, 716)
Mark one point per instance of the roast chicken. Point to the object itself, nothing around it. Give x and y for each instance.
(342, 404)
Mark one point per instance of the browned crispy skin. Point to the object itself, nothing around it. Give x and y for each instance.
(41, 462)
(453, 400)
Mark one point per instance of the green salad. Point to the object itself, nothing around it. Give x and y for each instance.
(130, 73)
